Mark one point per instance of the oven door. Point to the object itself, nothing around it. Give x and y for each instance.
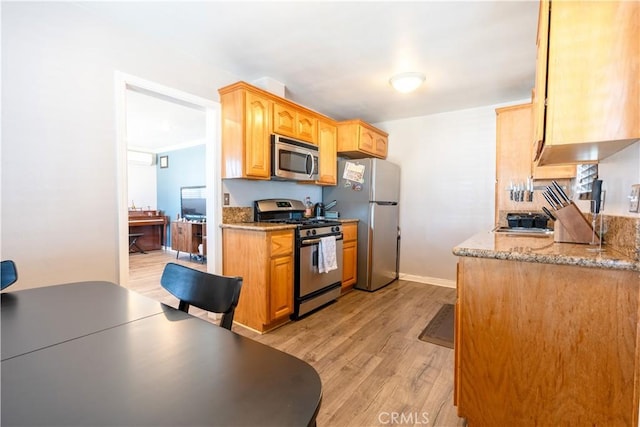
(310, 279)
(293, 160)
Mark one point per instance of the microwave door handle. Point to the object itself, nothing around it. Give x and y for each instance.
(313, 164)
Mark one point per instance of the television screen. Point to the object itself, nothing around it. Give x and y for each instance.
(193, 203)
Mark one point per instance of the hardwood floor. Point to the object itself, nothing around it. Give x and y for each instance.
(374, 369)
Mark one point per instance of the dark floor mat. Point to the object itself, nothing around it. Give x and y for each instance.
(440, 329)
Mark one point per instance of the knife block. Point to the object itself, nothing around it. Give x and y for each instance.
(571, 226)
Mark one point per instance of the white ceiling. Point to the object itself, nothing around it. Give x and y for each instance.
(336, 57)
(156, 124)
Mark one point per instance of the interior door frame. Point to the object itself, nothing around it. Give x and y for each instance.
(213, 178)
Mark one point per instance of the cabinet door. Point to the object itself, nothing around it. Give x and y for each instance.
(540, 91)
(380, 145)
(367, 140)
(327, 141)
(257, 140)
(284, 120)
(281, 292)
(306, 127)
(592, 80)
(174, 236)
(349, 265)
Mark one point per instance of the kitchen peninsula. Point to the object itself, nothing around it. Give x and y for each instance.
(546, 333)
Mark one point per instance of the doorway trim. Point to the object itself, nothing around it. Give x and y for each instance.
(213, 178)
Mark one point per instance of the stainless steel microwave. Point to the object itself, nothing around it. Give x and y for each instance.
(293, 160)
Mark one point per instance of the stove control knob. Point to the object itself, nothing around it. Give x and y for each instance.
(336, 228)
(308, 232)
(313, 232)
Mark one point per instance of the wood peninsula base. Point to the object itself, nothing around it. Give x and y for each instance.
(546, 344)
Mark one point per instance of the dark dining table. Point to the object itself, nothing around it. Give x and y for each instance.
(95, 353)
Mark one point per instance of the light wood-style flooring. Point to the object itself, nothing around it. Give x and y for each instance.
(365, 347)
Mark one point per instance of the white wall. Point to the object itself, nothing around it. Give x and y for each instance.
(618, 173)
(143, 186)
(59, 168)
(447, 190)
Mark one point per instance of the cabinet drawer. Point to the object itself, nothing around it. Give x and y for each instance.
(350, 232)
(281, 243)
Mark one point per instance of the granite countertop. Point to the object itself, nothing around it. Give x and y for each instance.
(543, 249)
(258, 226)
(269, 226)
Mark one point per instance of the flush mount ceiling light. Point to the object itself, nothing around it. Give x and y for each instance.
(407, 82)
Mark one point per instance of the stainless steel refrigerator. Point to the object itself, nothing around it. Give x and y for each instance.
(369, 190)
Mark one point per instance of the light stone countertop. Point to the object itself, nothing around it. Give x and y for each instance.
(269, 226)
(542, 249)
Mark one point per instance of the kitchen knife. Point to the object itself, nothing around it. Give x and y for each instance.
(549, 214)
(554, 197)
(551, 202)
(561, 192)
(596, 194)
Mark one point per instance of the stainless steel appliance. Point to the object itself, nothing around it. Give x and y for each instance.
(369, 190)
(312, 289)
(293, 160)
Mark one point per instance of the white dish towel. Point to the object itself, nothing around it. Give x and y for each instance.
(327, 260)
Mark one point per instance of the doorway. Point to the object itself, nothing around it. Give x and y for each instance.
(131, 91)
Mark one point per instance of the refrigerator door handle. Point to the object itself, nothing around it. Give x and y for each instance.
(386, 203)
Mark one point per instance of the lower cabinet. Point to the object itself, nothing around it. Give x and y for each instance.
(188, 236)
(546, 344)
(265, 261)
(350, 256)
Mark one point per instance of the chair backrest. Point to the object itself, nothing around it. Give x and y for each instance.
(8, 274)
(210, 292)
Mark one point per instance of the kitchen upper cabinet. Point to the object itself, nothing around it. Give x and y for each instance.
(514, 127)
(587, 75)
(327, 143)
(265, 261)
(290, 121)
(251, 115)
(349, 256)
(357, 139)
(246, 132)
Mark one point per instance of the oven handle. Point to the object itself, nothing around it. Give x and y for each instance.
(308, 242)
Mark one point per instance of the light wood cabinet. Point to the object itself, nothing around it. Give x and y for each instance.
(188, 236)
(514, 160)
(587, 76)
(246, 132)
(291, 121)
(265, 261)
(357, 139)
(349, 256)
(327, 144)
(545, 344)
(251, 115)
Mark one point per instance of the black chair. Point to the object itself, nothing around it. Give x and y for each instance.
(210, 292)
(8, 274)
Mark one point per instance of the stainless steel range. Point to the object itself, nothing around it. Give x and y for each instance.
(312, 289)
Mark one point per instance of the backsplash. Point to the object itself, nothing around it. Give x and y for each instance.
(234, 215)
(623, 234)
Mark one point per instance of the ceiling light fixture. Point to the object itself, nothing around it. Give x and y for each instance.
(407, 82)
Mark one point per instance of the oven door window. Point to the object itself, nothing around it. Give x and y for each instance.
(292, 161)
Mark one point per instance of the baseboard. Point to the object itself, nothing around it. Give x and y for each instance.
(429, 280)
